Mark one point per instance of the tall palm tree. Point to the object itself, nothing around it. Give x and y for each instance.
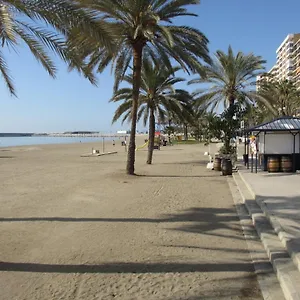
(231, 78)
(198, 120)
(157, 98)
(43, 25)
(282, 95)
(142, 27)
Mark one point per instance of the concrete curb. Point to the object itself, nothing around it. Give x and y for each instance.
(266, 277)
(286, 271)
(287, 240)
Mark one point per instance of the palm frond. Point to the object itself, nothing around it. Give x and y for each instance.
(5, 73)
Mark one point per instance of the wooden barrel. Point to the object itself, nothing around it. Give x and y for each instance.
(217, 164)
(273, 164)
(226, 167)
(286, 164)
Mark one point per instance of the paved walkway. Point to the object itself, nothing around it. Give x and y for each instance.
(280, 194)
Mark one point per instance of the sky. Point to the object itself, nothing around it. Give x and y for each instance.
(71, 103)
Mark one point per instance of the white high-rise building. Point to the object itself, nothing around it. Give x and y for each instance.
(287, 61)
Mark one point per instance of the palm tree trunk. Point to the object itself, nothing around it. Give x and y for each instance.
(227, 138)
(185, 129)
(169, 133)
(151, 136)
(137, 68)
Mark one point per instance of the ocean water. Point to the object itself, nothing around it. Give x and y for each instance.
(43, 140)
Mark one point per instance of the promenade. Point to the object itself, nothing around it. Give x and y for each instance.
(280, 194)
(273, 203)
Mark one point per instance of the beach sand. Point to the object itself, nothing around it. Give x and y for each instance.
(76, 227)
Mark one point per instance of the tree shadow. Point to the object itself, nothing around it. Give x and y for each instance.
(193, 163)
(227, 250)
(211, 221)
(244, 287)
(278, 174)
(201, 220)
(283, 207)
(178, 176)
(193, 214)
(127, 267)
(285, 210)
(7, 157)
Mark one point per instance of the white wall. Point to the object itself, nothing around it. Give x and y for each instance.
(277, 143)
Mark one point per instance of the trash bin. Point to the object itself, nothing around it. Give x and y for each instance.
(226, 167)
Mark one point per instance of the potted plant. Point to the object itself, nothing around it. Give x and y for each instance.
(224, 127)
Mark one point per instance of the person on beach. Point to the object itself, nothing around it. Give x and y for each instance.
(113, 142)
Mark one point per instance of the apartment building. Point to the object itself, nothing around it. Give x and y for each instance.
(297, 61)
(266, 76)
(287, 61)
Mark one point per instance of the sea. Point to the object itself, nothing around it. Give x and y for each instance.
(44, 140)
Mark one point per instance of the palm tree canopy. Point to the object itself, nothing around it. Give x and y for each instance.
(284, 96)
(42, 25)
(231, 78)
(147, 25)
(157, 92)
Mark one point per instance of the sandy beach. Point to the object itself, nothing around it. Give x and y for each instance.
(75, 227)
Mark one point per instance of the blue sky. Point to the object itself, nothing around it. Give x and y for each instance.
(71, 103)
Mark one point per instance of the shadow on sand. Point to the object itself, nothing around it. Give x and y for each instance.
(200, 220)
(131, 267)
(179, 176)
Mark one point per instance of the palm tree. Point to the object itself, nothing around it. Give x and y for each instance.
(198, 120)
(157, 98)
(142, 28)
(31, 21)
(232, 78)
(282, 95)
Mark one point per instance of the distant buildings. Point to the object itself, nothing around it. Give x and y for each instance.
(287, 61)
(122, 132)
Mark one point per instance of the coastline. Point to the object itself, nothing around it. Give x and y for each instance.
(52, 140)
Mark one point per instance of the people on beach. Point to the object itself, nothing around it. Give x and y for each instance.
(114, 143)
